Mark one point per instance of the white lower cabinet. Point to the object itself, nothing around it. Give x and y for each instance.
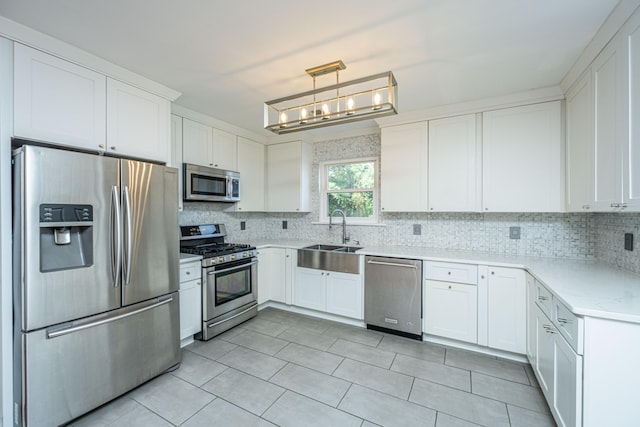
(506, 309)
(451, 310)
(275, 274)
(559, 371)
(329, 291)
(190, 301)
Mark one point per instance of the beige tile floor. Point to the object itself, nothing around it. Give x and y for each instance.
(286, 369)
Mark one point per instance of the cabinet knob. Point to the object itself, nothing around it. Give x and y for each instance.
(449, 273)
(482, 277)
(210, 164)
(101, 145)
(188, 273)
(493, 272)
(322, 274)
(486, 209)
(449, 286)
(113, 147)
(586, 207)
(327, 274)
(215, 165)
(239, 209)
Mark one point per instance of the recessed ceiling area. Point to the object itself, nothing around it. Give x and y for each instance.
(227, 58)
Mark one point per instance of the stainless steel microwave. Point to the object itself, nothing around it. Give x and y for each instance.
(210, 185)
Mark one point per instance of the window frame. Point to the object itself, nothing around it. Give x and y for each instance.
(323, 177)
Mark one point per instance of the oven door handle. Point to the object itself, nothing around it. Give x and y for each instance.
(237, 267)
(234, 316)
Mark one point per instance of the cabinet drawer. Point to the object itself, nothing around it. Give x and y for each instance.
(190, 284)
(190, 271)
(451, 272)
(569, 325)
(544, 299)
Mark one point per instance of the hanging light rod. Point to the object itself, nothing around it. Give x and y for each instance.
(359, 99)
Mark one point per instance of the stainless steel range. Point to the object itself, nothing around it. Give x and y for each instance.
(229, 278)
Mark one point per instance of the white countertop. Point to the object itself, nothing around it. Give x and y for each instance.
(184, 258)
(587, 288)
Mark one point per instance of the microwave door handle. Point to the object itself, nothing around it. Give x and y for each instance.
(116, 233)
(229, 187)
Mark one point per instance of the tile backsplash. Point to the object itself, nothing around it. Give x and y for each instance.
(564, 235)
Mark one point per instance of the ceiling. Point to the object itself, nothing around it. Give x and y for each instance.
(228, 57)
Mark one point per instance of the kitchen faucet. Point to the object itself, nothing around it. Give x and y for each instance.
(345, 238)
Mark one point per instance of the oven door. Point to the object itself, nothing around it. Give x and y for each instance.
(229, 286)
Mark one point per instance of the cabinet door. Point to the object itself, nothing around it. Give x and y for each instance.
(138, 122)
(451, 310)
(454, 165)
(606, 71)
(197, 143)
(506, 309)
(344, 294)
(277, 274)
(288, 168)
(544, 357)
(176, 158)
(251, 168)
(532, 342)
(310, 289)
(57, 101)
(631, 146)
(225, 150)
(403, 168)
(567, 394)
(264, 294)
(190, 314)
(580, 131)
(523, 159)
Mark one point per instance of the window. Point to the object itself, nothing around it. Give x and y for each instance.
(350, 186)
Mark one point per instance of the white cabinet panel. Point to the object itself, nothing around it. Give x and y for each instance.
(403, 166)
(190, 310)
(288, 177)
(176, 159)
(523, 156)
(252, 175)
(264, 267)
(344, 294)
(606, 71)
(532, 342)
(197, 143)
(506, 309)
(58, 102)
(580, 142)
(454, 165)
(310, 289)
(224, 150)
(451, 310)
(138, 122)
(631, 145)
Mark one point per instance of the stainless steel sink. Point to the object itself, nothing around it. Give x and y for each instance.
(342, 259)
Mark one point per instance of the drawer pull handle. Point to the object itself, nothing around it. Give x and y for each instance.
(549, 329)
(542, 298)
(563, 320)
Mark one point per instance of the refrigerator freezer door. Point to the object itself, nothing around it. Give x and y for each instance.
(71, 369)
(72, 277)
(150, 266)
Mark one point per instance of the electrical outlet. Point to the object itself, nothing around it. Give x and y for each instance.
(514, 232)
(284, 225)
(417, 229)
(243, 225)
(628, 241)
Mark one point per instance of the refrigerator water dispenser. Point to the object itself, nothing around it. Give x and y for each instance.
(66, 237)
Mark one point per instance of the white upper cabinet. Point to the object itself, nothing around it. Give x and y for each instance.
(607, 81)
(288, 177)
(252, 176)
(631, 145)
(580, 142)
(224, 150)
(138, 122)
(197, 143)
(523, 156)
(58, 102)
(454, 164)
(207, 146)
(403, 166)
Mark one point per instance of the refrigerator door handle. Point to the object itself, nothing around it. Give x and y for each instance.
(116, 239)
(128, 245)
(82, 326)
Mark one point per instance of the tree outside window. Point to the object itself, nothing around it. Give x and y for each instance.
(351, 187)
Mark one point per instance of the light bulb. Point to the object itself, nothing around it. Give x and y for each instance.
(376, 101)
(325, 111)
(303, 115)
(283, 120)
(350, 104)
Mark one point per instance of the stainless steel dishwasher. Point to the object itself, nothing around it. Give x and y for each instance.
(393, 295)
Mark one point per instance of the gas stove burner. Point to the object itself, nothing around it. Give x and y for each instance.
(208, 241)
(211, 249)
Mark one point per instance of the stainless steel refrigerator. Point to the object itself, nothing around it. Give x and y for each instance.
(96, 308)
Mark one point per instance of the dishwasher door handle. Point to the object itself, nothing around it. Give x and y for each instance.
(392, 264)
